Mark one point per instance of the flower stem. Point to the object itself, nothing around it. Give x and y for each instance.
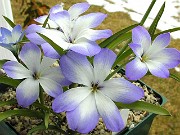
(116, 70)
(41, 96)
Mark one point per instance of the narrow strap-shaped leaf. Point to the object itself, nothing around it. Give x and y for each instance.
(147, 12)
(116, 71)
(117, 35)
(46, 119)
(144, 106)
(9, 22)
(9, 102)
(119, 40)
(54, 45)
(45, 22)
(165, 31)
(124, 47)
(42, 127)
(122, 57)
(156, 20)
(37, 128)
(9, 81)
(20, 112)
(177, 78)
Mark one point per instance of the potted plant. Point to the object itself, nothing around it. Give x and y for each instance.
(60, 61)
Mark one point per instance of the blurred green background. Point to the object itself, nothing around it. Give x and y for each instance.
(170, 88)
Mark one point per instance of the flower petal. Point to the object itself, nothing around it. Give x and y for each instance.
(157, 69)
(70, 99)
(121, 90)
(51, 87)
(77, 9)
(33, 28)
(109, 112)
(135, 69)
(31, 55)
(49, 51)
(94, 35)
(55, 9)
(46, 64)
(63, 20)
(91, 20)
(27, 92)
(137, 49)
(85, 113)
(85, 47)
(124, 114)
(41, 19)
(158, 45)
(33, 36)
(103, 62)
(6, 54)
(50, 71)
(170, 57)
(16, 70)
(161, 41)
(141, 36)
(5, 32)
(76, 68)
(50, 23)
(17, 33)
(57, 37)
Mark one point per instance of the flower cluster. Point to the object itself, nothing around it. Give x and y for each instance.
(39, 66)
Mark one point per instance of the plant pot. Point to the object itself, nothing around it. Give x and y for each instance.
(144, 126)
(6, 129)
(141, 128)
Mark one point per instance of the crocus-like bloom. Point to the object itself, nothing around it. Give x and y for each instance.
(8, 38)
(156, 57)
(36, 72)
(74, 12)
(93, 98)
(74, 32)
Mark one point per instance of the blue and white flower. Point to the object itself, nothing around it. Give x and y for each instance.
(74, 12)
(35, 73)
(74, 32)
(156, 57)
(84, 105)
(9, 38)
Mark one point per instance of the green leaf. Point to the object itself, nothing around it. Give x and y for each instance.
(9, 22)
(2, 63)
(177, 78)
(119, 40)
(37, 128)
(147, 12)
(54, 45)
(117, 35)
(169, 30)
(141, 105)
(122, 57)
(42, 127)
(46, 119)
(20, 112)
(45, 22)
(156, 20)
(116, 70)
(9, 102)
(9, 81)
